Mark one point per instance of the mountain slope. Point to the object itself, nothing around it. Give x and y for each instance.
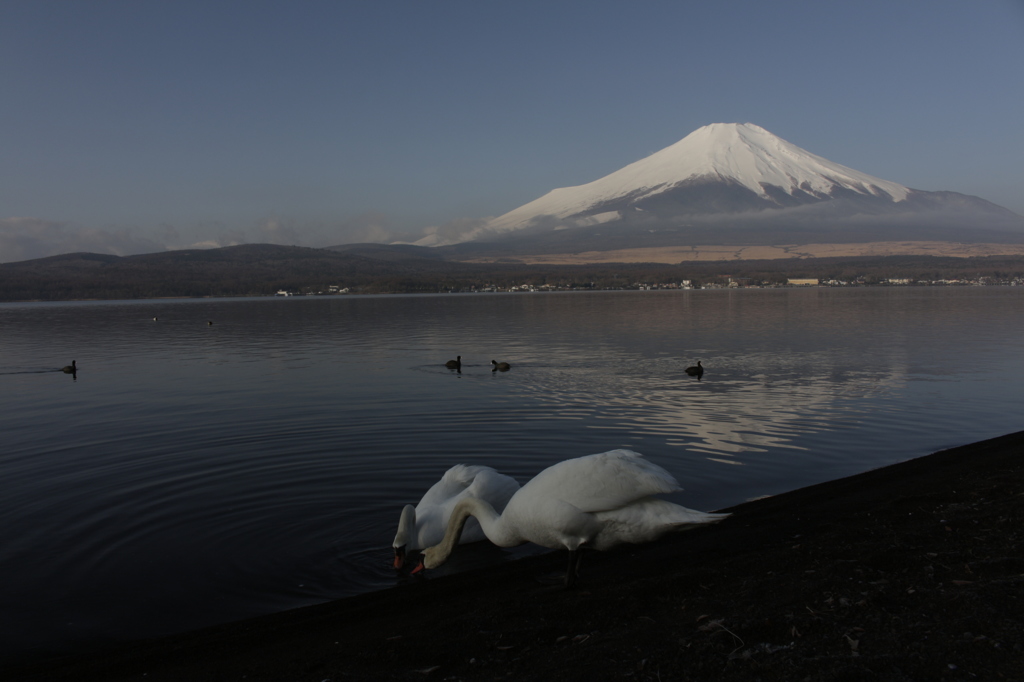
(729, 176)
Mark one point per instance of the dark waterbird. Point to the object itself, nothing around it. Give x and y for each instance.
(696, 371)
(454, 364)
(70, 369)
(500, 366)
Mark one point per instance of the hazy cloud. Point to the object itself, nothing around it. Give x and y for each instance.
(27, 238)
(452, 232)
(223, 237)
(371, 227)
(276, 231)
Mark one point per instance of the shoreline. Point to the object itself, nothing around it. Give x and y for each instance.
(704, 253)
(910, 571)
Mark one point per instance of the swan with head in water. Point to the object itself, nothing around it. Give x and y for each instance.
(454, 364)
(424, 524)
(70, 369)
(696, 371)
(597, 502)
(500, 366)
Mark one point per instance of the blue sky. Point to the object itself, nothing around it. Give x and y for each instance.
(138, 125)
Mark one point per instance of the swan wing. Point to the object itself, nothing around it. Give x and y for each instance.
(646, 520)
(600, 482)
(549, 522)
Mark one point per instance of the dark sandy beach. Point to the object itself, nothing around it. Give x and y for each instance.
(910, 572)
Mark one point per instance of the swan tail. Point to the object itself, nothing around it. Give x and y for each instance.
(454, 481)
(494, 487)
(457, 480)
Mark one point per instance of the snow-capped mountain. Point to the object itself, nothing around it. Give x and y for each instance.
(725, 174)
(739, 154)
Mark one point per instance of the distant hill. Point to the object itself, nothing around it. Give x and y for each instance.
(247, 270)
(394, 253)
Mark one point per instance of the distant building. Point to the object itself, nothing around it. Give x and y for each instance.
(803, 282)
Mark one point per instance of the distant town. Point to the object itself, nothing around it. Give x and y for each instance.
(266, 270)
(729, 283)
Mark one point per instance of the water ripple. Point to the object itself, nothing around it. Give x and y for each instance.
(195, 474)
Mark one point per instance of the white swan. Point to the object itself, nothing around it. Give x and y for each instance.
(424, 524)
(598, 501)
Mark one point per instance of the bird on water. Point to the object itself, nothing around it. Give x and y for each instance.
(454, 364)
(70, 369)
(593, 502)
(500, 366)
(696, 371)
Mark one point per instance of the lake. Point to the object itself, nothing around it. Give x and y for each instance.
(193, 473)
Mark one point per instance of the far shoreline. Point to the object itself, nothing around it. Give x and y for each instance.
(652, 289)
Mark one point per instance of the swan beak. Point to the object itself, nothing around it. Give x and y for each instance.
(418, 568)
(399, 557)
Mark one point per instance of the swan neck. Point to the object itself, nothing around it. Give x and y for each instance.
(406, 526)
(470, 506)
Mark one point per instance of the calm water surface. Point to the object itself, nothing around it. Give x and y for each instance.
(191, 474)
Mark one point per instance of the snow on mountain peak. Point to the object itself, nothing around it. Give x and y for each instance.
(740, 152)
(751, 155)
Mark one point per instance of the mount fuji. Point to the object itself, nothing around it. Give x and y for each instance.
(730, 183)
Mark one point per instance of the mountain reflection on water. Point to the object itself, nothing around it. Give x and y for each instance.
(197, 473)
